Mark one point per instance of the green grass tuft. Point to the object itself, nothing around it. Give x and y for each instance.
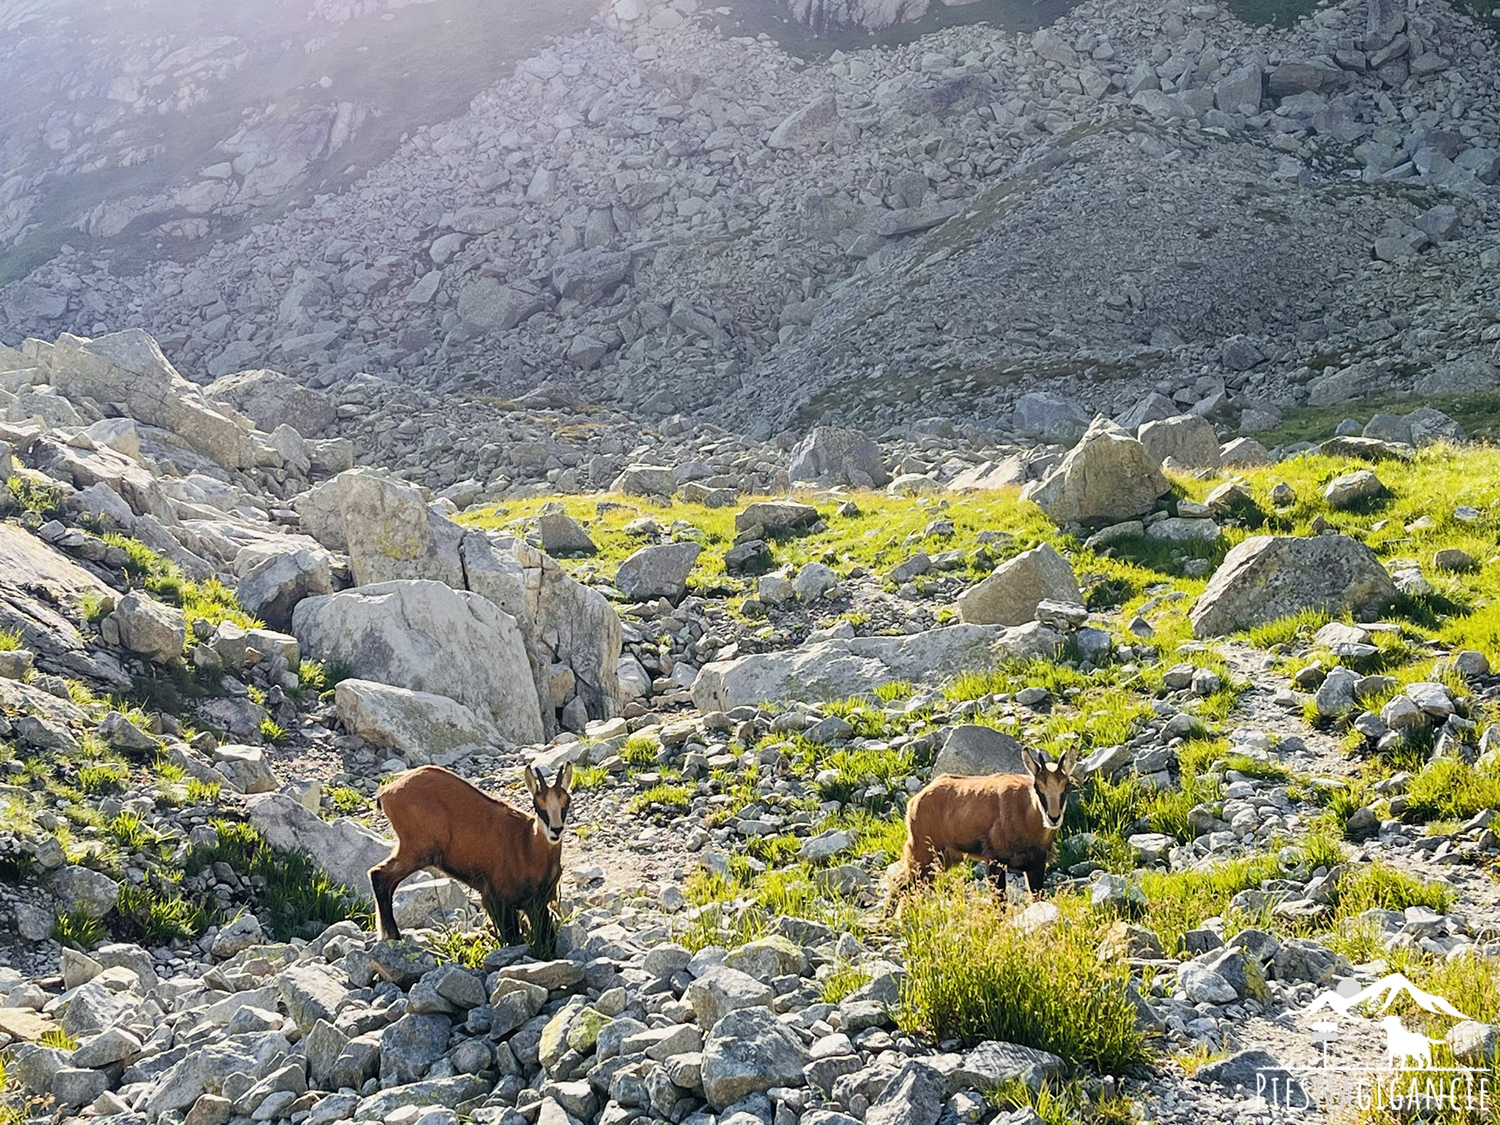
(79, 931)
(973, 976)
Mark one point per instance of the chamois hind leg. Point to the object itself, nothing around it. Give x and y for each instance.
(384, 878)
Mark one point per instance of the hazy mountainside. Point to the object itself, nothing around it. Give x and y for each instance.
(140, 128)
(652, 215)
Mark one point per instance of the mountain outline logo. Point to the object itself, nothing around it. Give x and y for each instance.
(1406, 1077)
(1403, 1047)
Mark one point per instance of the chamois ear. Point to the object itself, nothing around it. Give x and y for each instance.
(565, 777)
(1031, 760)
(1069, 761)
(534, 781)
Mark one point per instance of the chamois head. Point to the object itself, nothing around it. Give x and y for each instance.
(1050, 783)
(550, 802)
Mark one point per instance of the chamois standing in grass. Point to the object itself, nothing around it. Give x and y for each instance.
(1009, 820)
(512, 859)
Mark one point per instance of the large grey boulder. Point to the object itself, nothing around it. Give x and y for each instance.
(722, 990)
(976, 751)
(836, 455)
(427, 637)
(1187, 439)
(1050, 417)
(1352, 489)
(775, 515)
(1269, 577)
(914, 1096)
(844, 666)
(585, 275)
(423, 727)
(747, 1052)
(1106, 478)
(128, 367)
(187, 1079)
(85, 890)
(808, 127)
(392, 533)
(271, 588)
(271, 399)
(561, 534)
(145, 626)
(658, 571)
(1010, 594)
(343, 848)
(486, 305)
(1240, 90)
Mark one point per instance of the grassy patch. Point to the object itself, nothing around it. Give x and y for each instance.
(300, 900)
(1285, 630)
(1450, 789)
(843, 980)
(468, 948)
(78, 930)
(1473, 984)
(973, 976)
(40, 499)
(664, 797)
(1063, 1103)
(347, 801)
(10, 640)
(154, 916)
(586, 778)
(99, 778)
(1178, 901)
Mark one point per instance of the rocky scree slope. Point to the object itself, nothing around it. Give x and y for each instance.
(649, 214)
(1306, 801)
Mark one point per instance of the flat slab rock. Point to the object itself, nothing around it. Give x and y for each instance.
(836, 668)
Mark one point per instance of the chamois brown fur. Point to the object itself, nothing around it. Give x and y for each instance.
(996, 818)
(513, 859)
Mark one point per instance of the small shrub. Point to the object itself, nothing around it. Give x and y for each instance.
(78, 930)
(468, 948)
(10, 640)
(1378, 885)
(972, 976)
(1179, 900)
(640, 751)
(130, 833)
(1065, 1103)
(273, 731)
(201, 792)
(59, 1039)
(589, 777)
(894, 690)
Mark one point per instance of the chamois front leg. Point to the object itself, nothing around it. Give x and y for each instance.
(384, 879)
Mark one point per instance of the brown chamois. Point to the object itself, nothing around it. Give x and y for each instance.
(513, 860)
(1009, 820)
